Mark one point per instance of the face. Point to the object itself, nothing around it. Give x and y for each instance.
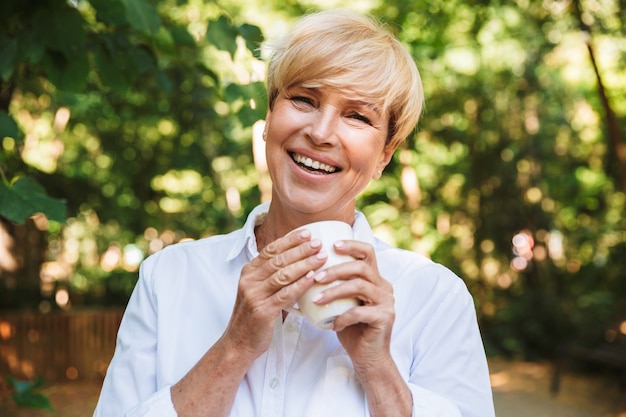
(323, 147)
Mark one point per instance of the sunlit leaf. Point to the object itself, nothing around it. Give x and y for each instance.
(164, 40)
(110, 11)
(223, 35)
(142, 15)
(26, 197)
(182, 36)
(248, 116)
(254, 98)
(246, 91)
(208, 71)
(253, 37)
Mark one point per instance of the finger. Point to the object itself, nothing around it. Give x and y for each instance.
(365, 291)
(283, 244)
(372, 316)
(289, 267)
(287, 295)
(283, 252)
(357, 249)
(347, 271)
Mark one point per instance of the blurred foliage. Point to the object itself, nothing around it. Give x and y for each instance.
(140, 115)
(26, 393)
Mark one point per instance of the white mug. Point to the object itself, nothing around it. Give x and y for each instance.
(323, 316)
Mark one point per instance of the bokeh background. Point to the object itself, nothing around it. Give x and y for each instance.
(130, 125)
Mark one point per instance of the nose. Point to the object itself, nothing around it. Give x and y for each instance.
(323, 128)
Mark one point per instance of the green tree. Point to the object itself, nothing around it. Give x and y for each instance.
(139, 115)
(518, 146)
(132, 111)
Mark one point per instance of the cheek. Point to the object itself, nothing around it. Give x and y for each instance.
(281, 128)
(366, 154)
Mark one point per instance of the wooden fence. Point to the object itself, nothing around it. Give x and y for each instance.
(58, 346)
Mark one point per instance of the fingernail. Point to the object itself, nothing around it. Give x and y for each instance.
(316, 243)
(339, 243)
(321, 255)
(317, 297)
(310, 275)
(320, 276)
(304, 233)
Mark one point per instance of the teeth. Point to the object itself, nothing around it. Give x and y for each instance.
(310, 163)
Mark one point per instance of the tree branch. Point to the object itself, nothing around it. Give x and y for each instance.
(618, 156)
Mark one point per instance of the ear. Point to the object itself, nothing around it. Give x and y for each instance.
(385, 158)
(268, 116)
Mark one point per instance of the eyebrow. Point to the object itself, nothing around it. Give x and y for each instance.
(363, 103)
(358, 102)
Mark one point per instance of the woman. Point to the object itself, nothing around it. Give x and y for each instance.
(206, 331)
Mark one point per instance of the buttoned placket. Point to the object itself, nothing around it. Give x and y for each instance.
(279, 357)
(291, 332)
(272, 403)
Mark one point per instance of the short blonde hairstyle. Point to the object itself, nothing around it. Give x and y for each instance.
(342, 50)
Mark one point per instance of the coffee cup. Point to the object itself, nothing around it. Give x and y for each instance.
(323, 316)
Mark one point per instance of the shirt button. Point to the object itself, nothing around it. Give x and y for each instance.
(274, 383)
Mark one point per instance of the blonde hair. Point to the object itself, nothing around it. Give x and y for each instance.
(342, 50)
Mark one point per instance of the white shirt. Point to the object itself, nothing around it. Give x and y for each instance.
(182, 304)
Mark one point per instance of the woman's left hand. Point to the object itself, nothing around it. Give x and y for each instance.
(365, 330)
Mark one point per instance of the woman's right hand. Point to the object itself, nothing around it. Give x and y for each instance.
(268, 284)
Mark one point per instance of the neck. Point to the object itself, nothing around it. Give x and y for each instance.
(277, 223)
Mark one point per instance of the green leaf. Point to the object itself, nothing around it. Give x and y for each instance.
(111, 12)
(164, 40)
(142, 16)
(248, 116)
(117, 69)
(8, 46)
(32, 399)
(222, 35)
(164, 82)
(61, 29)
(253, 37)
(143, 59)
(182, 36)
(25, 396)
(254, 91)
(26, 197)
(69, 74)
(30, 48)
(8, 126)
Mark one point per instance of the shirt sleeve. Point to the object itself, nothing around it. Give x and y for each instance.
(427, 403)
(130, 387)
(449, 376)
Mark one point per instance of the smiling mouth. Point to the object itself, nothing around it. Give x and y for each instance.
(312, 165)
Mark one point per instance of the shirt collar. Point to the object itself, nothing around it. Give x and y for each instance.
(247, 240)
